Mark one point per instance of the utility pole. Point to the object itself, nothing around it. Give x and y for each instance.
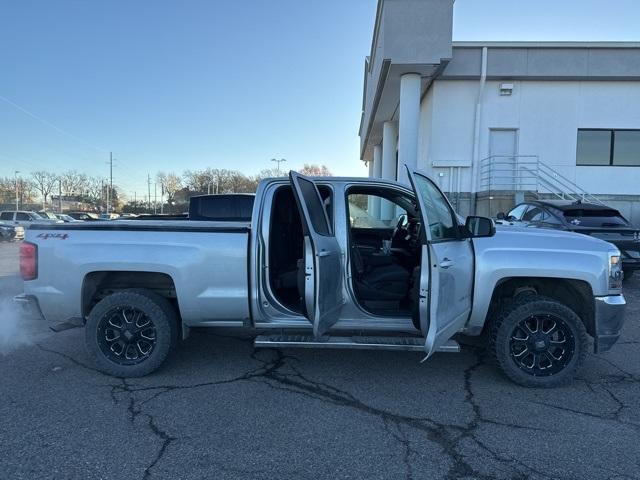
(60, 195)
(110, 192)
(278, 162)
(155, 198)
(149, 191)
(15, 175)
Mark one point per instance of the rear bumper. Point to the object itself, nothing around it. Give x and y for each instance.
(30, 302)
(609, 317)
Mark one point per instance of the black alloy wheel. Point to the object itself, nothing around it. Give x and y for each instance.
(542, 345)
(130, 333)
(126, 335)
(538, 341)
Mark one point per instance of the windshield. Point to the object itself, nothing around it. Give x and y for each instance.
(595, 218)
(36, 215)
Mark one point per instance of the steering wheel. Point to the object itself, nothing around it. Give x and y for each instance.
(400, 231)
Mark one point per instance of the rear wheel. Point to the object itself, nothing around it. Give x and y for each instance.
(130, 333)
(538, 341)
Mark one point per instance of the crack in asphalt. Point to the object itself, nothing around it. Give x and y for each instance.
(449, 438)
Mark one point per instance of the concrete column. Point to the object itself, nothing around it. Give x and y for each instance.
(389, 148)
(370, 168)
(377, 172)
(377, 161)
(409, 124)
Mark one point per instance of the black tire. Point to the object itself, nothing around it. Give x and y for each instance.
(627, 274)
(151, 342)
(548, 356)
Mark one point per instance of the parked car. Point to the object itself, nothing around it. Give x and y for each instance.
(109, 216)
(9, 232)
(591, 219)
(67, 218)
(299, 269)
(84, 216)
(48, 215)
(24, 218)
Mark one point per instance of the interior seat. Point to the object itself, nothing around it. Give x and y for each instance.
(383, 282)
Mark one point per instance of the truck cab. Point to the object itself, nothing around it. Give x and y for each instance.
(343, 254)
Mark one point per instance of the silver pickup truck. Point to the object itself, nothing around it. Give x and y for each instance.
(332, 263)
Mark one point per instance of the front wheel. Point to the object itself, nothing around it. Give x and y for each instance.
(130, 333)
(538, 342)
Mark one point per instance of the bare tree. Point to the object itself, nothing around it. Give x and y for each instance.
(95, 189)
(26, 191)
(170, 183)
(44, 182)
(71, 182)
(314, 170)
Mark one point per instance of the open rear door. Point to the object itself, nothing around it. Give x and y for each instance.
(446, 268)
(323, 297)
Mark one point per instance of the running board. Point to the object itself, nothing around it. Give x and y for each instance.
(412, 344)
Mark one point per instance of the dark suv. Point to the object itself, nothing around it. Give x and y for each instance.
(592, 219)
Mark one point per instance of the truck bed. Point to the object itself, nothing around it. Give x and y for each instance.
(204, 264)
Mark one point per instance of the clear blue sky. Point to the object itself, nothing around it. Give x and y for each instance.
(174, 85)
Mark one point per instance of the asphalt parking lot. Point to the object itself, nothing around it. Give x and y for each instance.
(220, 409)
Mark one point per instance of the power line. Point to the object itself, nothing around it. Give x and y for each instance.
(49, 124)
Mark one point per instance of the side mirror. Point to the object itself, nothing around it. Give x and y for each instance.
(478, 227)
(501, 216)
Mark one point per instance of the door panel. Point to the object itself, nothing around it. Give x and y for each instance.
(322, 257)
(503, 145)
(447, 266)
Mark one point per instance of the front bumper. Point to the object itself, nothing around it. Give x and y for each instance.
(630, 263)
(609, 317)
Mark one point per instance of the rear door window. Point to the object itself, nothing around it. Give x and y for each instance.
(6, 216)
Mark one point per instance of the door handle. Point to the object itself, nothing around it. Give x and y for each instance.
(446, 263)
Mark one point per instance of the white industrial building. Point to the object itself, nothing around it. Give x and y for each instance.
(495, 121)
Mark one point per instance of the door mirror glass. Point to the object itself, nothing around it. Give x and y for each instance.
(501, 216)
(480, 227)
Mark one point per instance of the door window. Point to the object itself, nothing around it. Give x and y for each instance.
(6, 216)
(518, 211)
(373, 211)
(22, 216)
(534, 214)
(315, 207)
(442, 222)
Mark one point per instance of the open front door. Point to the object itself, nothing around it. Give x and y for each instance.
(446, 269)
(323, 298)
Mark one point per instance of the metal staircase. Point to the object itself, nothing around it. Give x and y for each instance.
(527, 174)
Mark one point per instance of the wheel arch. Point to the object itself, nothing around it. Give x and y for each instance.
(575, 294)
(97, 285)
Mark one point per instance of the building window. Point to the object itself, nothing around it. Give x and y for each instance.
(608, 147)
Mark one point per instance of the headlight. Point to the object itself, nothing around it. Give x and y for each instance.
(615, 272)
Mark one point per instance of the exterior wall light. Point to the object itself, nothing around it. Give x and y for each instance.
(506, 89)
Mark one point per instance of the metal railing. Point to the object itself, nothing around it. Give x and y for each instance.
(526, 173)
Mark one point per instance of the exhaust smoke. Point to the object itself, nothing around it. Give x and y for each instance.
(13, 330)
